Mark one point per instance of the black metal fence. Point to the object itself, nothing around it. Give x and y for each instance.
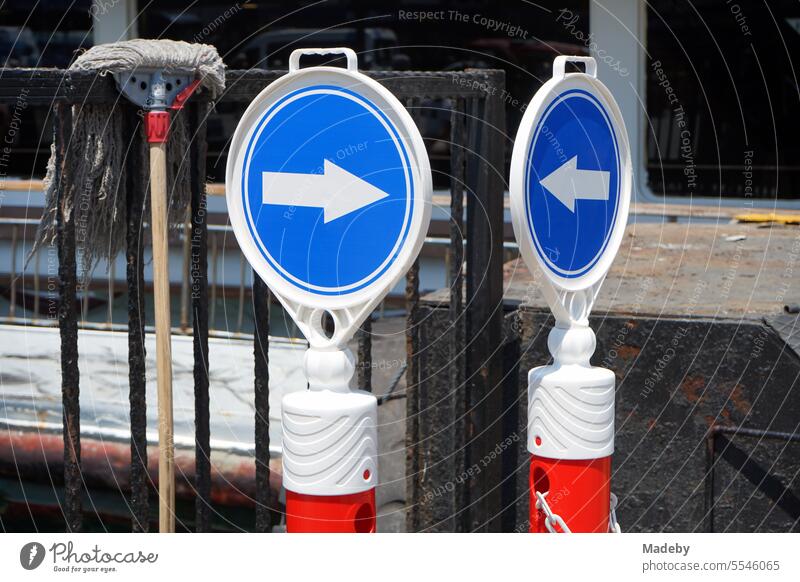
(476, 142)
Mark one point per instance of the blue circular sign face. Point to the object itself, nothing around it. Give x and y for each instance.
(572, 183)
(327, 190)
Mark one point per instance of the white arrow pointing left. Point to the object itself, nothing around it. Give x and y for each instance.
(568, 183)
(336, 191)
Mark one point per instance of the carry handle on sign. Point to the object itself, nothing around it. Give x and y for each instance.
(329, 193)
(560, 65)
(352, 59)
(570, 188)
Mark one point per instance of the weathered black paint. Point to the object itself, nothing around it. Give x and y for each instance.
(198, 280)
(136, 316)
(261, 299)
(68, 321)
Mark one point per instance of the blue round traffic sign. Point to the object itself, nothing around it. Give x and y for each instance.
(572, 183)
(327, 189)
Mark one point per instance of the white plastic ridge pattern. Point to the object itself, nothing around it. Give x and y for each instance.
(329, 442)
(572, 415)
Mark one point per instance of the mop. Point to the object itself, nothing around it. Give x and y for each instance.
(158, 76)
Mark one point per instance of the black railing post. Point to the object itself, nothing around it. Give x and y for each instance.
(67, 321)
(412, 400)
(364, 338)
(485, 168)
(261, 300)
(198, 278)
(412, 441)
(456, 307)
(136, 192)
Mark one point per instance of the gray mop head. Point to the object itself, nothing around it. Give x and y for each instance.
(169, 55)
(97, 150)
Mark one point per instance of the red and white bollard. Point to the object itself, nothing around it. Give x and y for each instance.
(570, 436)
(330, 465)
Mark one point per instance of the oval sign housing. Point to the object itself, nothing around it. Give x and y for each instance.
(571, 181)
(328, 187)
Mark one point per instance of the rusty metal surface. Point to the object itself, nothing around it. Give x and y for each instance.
(670, 392)
(721, 447)
(33, 458)
(68, 323)
(717, 270)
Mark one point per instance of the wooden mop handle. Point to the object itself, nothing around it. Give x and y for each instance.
(166, 442)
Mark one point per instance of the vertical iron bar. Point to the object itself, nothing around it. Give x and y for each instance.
(214, 261)
(136, 194)
(68, 324)
(456, 306)
(261, 300)
(484, 280)
(364, 377)
(198, 276)
(112, 274)
(36, 285)
(186, 243)
(711, 451)
(242, 276)
(412, 400)
(12, 305)
(413, 465)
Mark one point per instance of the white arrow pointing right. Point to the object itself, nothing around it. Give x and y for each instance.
(568, 183)
(336, 191)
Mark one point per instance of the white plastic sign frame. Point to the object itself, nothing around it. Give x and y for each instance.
(307, 308)
(570, 299)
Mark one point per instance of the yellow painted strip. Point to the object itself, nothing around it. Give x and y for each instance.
(768, 217)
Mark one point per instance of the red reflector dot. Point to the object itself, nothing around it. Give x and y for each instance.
(366, 475)
(538, 441)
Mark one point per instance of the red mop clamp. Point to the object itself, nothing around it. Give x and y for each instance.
(156, 123)
(330, 449)
(156, 126)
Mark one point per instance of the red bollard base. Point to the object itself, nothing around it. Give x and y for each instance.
(330, 514)
(577, 490)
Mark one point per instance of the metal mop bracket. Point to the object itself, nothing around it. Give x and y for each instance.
(153, 89)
